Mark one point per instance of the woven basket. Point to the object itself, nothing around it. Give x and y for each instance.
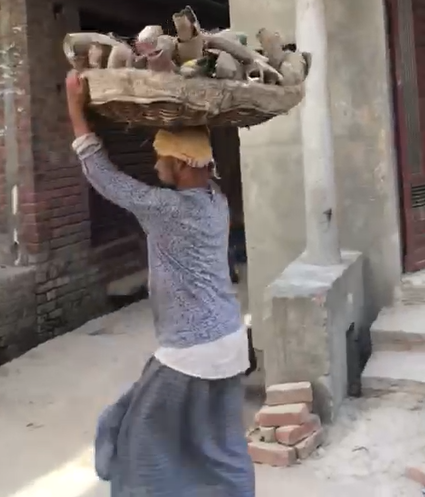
(145, 98)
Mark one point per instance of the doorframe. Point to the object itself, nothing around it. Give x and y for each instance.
(409, 262)
(399, 128)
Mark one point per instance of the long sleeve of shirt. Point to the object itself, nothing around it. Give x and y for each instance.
(144, 201)
(191, 294)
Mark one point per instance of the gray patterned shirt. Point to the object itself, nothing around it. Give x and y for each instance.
(191, 293)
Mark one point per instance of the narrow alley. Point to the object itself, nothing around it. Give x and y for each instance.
(50, 399)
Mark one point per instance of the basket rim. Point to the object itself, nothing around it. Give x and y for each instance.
(164, 98)
(132, 75)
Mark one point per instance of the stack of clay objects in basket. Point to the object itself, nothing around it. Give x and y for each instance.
(191, 79)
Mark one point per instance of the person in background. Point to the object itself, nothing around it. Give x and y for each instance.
(178, 431)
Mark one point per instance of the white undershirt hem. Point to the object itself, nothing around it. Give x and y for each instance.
(224, 358)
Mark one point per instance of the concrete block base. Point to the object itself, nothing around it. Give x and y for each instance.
(308, 312)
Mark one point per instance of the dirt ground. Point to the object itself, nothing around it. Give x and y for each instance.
(51, 397)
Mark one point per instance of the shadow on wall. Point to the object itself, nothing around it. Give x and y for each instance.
(18, 312)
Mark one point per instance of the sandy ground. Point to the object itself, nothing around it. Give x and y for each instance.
(50, 399)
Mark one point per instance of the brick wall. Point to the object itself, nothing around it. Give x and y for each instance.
(54, 220)
(55, 225)
(71, 276)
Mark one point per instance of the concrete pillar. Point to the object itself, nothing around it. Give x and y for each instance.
(365, 172)
(322, 242)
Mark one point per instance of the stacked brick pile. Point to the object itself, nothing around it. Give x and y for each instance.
(287, 430)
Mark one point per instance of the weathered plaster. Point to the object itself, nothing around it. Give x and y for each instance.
(311, 311)
(9, 61)
(365, 171)
(317, 141)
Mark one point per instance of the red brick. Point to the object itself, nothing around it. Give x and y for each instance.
(59, 203)
(292, 435)
(28, 196)
(309, 445)
(271, 454)
(30, 234)
(69, 229)
(68, 210)
(61, 182)
(29, 208)
(60, 193)
(33, 248)
(289, 415)
(31, 218)
(416, 474)
(70, 219)
(67, 241)
(289, 393)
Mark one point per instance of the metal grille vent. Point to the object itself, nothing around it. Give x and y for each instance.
(418, 196)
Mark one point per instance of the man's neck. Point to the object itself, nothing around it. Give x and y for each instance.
(200, 179)
(191, 186)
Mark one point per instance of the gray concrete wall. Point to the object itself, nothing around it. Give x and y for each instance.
(364, 154)
(321, 304)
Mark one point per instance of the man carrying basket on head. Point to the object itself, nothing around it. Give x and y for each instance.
(178, 432)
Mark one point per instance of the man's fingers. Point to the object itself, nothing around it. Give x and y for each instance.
(70, 80)
(72, 75)
(74, 82)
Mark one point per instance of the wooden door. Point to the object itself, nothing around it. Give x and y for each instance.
(406, 26)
